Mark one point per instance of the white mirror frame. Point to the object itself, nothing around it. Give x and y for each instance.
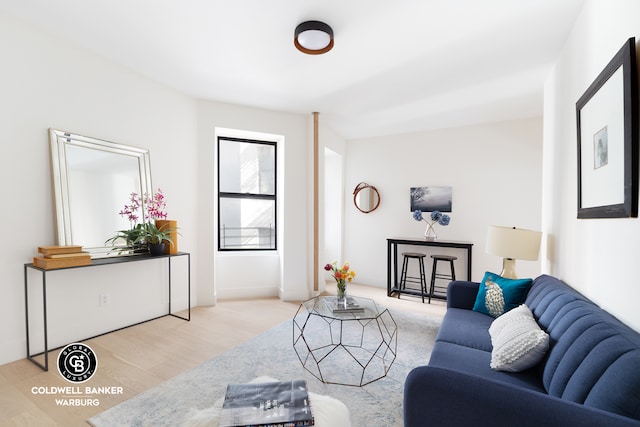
(59, 141)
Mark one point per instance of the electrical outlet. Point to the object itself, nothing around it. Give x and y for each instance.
(105, 299)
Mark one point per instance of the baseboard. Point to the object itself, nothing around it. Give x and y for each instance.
(231, 293)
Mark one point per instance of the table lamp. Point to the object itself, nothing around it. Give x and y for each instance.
(512, 243)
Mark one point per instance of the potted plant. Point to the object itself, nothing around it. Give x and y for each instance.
(131, 238)
(156, 237)
(142, 235)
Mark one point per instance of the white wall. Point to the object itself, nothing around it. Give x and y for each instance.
(231, 275)
(46, 82)
(599, 257)
(331, 194)
(495, 172)
(332, 206)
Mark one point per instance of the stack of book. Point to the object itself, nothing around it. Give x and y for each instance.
(281, 404)
(351, 305)
(61, 257)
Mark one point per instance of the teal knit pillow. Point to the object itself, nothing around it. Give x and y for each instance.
(497, 294)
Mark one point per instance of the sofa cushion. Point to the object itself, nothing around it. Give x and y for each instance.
(593, 358)
(467, 328)
(518, 342)
(548, 299)
(476, 362)
(497, 294)
(588, 356)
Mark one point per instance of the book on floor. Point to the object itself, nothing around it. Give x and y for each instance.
(270, 404)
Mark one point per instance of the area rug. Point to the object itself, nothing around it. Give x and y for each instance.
(271, 354)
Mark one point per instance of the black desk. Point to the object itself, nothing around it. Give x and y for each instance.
(392, 258)
(95, 263)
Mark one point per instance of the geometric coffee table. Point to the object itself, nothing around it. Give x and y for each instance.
(353, 348)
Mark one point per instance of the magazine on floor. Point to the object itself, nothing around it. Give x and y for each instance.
(271, 404)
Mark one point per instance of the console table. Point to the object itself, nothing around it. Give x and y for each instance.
(97, 263)
(392, 258)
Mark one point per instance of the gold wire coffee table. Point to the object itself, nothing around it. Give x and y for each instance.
(352, 348)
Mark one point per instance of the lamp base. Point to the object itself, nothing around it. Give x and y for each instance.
(509, 268)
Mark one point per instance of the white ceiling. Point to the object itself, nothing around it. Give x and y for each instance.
(397, 66)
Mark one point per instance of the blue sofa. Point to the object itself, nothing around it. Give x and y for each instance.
(590, 375)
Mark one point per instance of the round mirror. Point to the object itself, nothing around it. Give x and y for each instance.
(366, 197)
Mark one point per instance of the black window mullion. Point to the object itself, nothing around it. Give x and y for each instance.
(248, 196)
(252, 196)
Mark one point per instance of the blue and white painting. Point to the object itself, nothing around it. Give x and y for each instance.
(431, 198)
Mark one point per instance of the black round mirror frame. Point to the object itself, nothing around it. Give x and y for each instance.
(364, 186)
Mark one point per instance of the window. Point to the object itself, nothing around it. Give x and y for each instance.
(246, 194)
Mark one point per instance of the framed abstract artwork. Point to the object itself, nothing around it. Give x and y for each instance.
(607, 122)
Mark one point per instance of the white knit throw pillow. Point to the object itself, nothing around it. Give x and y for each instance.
(518, 342)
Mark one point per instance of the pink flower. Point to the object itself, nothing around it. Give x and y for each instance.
(155, 207)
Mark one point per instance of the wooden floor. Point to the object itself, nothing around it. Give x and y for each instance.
(143, 356)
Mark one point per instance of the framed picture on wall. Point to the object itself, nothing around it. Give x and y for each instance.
(431, 198)
(607, 120)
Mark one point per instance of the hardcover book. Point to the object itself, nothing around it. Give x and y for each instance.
(351, 307)
(272, 404)
(71, 255)
(51, 263)
(54, 250)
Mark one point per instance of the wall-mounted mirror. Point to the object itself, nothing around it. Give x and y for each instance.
(93, 180)
(366, 197)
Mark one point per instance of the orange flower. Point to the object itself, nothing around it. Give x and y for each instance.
(341, 274)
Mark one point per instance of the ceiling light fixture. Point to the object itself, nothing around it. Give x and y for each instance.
(313, 37)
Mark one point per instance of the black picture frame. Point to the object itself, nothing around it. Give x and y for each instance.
(607, 125)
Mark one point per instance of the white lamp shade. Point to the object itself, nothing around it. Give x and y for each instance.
(515, 243)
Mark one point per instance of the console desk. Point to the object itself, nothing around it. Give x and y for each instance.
(392, 258)
(97, 263)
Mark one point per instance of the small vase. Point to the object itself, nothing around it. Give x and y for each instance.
(342, 297)
(169, 247)
(430, 233)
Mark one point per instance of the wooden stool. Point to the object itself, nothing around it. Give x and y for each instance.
(421, 279)
(434, 272)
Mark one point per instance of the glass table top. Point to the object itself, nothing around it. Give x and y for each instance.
(357, 308)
